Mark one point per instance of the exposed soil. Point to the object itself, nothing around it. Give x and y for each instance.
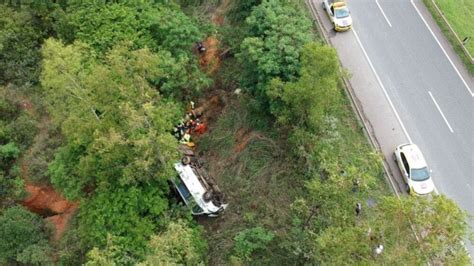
(242, 138)
(210, 59)
(210, 108)
(60, 221)
(45, 201)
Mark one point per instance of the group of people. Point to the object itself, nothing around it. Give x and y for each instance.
(191, 124)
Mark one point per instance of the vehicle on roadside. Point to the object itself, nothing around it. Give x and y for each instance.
(414, 169)
(197, 188)
(338, 14)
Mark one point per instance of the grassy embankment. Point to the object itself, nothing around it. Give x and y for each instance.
(460, 15)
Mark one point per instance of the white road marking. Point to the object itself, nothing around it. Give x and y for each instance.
(446, 54)
(441, 112)
(381, 85)
(385, 92)
(383, 13)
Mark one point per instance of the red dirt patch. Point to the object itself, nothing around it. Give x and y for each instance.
(44, 200)
(242, 138)
(60, 222)
(211, 108)
(210, 59)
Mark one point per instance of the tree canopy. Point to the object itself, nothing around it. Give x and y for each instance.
(19, 43)
(24, 237)
(125, 123)
(277, 33)
(177, 245)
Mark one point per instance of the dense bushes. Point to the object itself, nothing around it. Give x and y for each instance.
(112, 93)
(17, 130)
(24, 238)
(251, 241)
(276, 34)
(16, 125)
(177, 245)
(162, 28)
(19, 44)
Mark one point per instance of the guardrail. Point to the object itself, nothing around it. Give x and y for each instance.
(461, 44)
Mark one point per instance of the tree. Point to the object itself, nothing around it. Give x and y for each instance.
(118, 151)
(116, 126)
(277, 32)
(306, 101)
(102, 25)
(113, 254)
(157, 26)
(161, 28)
(178, 245)
(24, 237)
(172, 30)
(242, 8)
(129, 214)
(17, 129)
(8, 153)
(19, 46)
(439, 224)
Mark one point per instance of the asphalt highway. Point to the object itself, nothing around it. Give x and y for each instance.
(412, 88)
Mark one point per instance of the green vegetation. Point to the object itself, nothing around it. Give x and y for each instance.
(17, 129)
(24, 238)
(178, 245)
(260, 180)
(92, 90)
(19, 43)
(276, 33)
(459, 14)
(248, 241)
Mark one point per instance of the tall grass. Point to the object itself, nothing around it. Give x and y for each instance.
(463, 23)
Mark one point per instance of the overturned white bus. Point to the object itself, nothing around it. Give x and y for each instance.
(197, 189)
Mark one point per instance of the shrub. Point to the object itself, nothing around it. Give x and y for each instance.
(249, 241)
(23, 237)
